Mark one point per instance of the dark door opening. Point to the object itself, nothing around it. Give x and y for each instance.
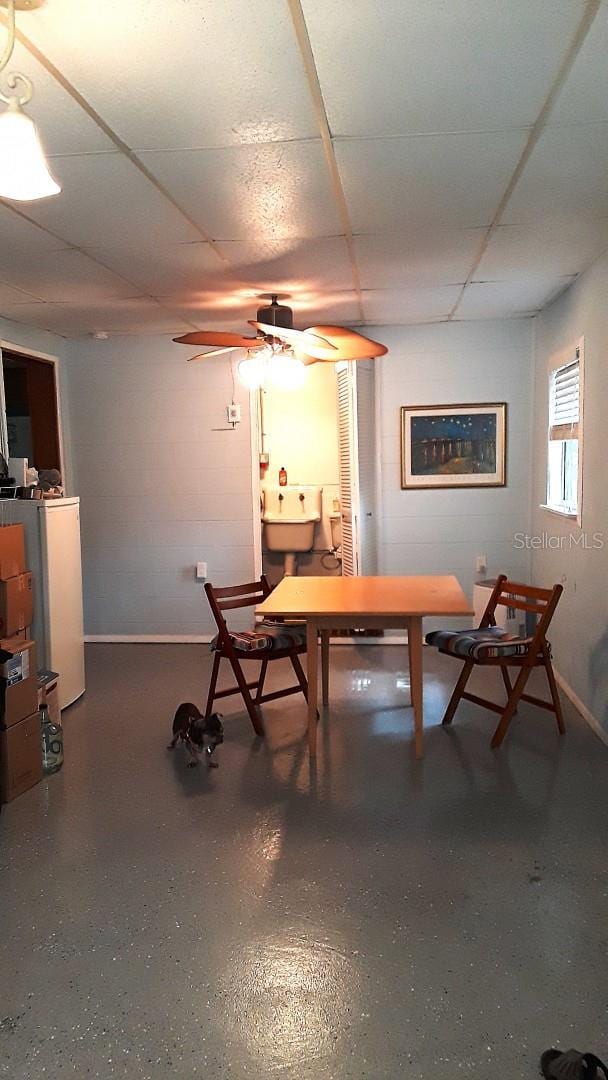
(30, 395)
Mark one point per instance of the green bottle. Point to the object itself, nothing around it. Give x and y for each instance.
(52, 742)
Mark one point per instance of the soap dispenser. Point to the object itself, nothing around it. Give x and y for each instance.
(282, 476)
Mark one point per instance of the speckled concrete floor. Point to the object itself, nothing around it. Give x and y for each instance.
(376, 919)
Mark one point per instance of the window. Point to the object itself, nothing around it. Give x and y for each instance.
(564, 458)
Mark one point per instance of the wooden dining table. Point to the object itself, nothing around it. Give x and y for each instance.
(372, 603)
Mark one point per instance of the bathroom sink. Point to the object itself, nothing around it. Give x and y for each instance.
(289, 516)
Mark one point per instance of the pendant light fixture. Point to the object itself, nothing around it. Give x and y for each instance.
(24, 173)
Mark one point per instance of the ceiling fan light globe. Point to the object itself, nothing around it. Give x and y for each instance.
(252, 372)
(286, 372)
(24, 173)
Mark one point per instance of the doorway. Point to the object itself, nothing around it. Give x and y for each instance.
(322, 435)
(30, 406)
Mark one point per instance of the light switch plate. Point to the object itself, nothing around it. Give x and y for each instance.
(234, 413)
(201, 571)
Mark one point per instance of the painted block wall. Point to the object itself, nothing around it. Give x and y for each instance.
(162, 483)
(580, 633)
(162, 489)
(434, 532)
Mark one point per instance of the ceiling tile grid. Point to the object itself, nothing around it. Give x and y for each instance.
(200, 125)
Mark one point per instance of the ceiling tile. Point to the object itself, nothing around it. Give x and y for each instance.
(112, 317)
(584, 96)
(565, 176)
(440, 180)
(231, 311)
(215, 310)
(64, 276)
(328, 308)
(409, 305)
(501, 299)
(300, 267)
(106, 200)
(64, 127)
(554, 248)
(245, 192)
(18, 236)
(170, 269)
(402, 66)
(10, 296)
(416, 257)
(196, 73)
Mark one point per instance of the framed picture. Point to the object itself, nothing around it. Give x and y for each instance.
(453, 445)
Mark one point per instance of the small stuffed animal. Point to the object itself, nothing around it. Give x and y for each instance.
(201, 734)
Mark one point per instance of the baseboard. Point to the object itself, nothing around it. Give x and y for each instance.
(151, 639)
(581, 708)
(204, 639)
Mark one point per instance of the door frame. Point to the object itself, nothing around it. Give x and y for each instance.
(255, 430)
(48, 358)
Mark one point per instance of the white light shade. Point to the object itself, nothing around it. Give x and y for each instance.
(252, 370)
(24, 173)
(286, 371)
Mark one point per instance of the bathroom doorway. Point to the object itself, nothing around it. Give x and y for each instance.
(315, 464)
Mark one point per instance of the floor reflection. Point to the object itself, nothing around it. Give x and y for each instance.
(292, 1000)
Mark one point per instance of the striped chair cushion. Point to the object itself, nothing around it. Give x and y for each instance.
(486, 644)
(267, 635)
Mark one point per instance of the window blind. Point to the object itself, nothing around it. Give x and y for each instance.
(564, 402)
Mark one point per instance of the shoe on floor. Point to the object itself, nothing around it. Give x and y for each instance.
(572, 1065)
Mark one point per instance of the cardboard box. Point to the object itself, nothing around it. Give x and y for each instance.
(12, 551)
(16, 604)
(20, 757)
(17, 662)
(20, 696)
(48, 694)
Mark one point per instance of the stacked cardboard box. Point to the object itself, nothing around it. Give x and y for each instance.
(20, 737)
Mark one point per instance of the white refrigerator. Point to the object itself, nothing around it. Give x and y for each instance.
(52, 546)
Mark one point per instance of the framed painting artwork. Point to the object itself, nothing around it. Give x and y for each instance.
(447, 446)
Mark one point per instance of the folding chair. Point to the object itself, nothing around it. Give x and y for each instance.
(490, 646)
(241, 596)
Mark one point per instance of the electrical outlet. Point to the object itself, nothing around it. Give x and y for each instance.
(481, 564)
(233, 413)
(201, 571)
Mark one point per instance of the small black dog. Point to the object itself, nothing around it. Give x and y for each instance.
(201, 734)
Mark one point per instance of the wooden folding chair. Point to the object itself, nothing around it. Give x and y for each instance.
(241, 596)
(535, 651)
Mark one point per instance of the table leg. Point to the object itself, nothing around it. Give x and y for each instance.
(414, 637)
(312, 670)
(325, 665)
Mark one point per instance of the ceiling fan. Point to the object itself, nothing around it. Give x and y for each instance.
(287, 350)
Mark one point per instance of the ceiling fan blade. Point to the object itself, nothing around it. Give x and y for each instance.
(300, 339)
(218, 337)
(349, 345)
(212, 352)
(307, 360)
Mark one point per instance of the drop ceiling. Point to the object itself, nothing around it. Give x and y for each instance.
(385, 163)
